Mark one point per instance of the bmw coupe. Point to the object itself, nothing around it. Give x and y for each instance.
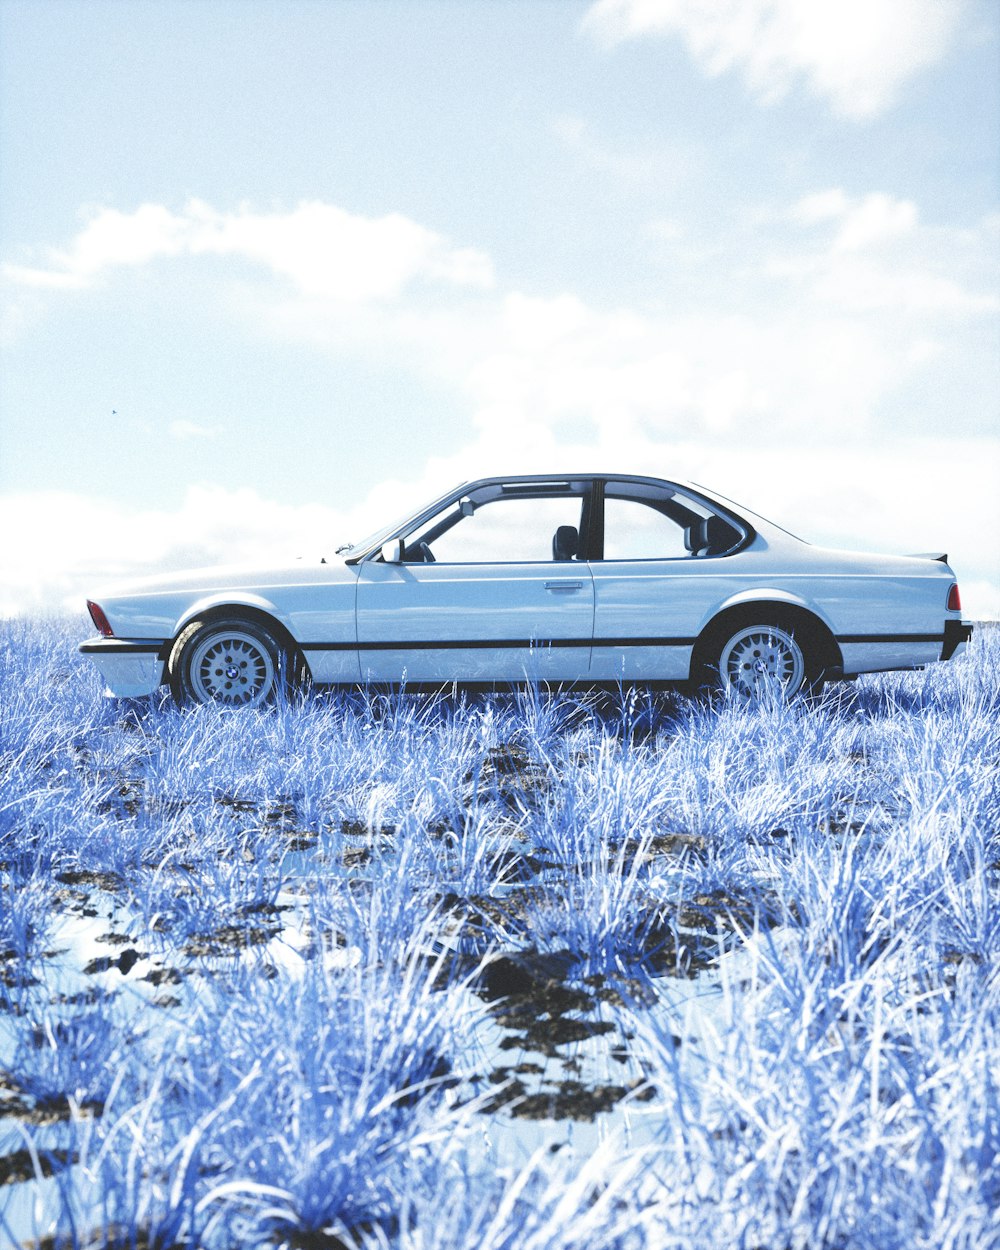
(595, 578)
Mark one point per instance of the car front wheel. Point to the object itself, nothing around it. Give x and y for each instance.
(762, 661)
(231, 662)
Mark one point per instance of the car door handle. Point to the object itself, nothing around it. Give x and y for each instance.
(561, 586)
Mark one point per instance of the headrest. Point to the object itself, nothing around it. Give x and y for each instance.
(565, 542)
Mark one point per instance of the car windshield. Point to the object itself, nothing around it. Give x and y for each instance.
(374, 540)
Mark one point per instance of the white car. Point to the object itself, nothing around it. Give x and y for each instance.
(598, 578)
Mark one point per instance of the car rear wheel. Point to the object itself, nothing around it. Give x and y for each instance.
(232, 662)
(762, 661)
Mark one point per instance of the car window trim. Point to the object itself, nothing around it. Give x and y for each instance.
(556, 488)
(742, 526)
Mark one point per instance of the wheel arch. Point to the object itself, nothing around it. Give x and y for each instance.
(258, 610)
(777, 609)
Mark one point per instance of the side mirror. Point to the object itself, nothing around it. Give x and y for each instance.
(392, 551)
(467, 507)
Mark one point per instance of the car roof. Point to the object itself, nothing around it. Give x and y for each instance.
(528, 479)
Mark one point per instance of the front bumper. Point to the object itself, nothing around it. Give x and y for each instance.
(956, 635)
(129, 669)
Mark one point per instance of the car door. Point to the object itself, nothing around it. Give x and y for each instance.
(655, 581)
(484, 597)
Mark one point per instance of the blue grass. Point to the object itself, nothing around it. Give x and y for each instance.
(266, 1023)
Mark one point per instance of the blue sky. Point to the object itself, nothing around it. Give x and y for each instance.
(275, 269)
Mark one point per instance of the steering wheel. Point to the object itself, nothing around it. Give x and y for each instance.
(426, 555)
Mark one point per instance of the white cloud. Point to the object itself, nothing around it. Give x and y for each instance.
(820, 206)
(876, 219)
(637, 166)
(822, 356)
(109, 239)
(45, 279)
(321, 249)
(327, 251)
(856, 54)
(185, 430)
(823, 324)
(873, 253)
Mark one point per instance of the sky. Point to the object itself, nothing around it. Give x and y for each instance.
(274, 271)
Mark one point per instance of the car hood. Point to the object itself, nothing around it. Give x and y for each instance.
(230, 577)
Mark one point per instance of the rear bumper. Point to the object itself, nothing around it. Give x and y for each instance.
(956, 635)
(883, 653)
(129, 669)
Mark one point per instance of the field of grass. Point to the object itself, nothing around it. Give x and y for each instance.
(521, 971)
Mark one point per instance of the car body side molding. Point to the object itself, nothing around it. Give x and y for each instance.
(462, 644)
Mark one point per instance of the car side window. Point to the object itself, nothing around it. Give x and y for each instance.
(635, 531)
(514, 529)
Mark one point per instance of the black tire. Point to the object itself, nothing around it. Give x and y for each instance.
(751, 661)
(229, 661)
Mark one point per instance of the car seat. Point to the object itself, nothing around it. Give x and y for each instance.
(565, 542)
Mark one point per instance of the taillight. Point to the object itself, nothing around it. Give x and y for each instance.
(100, 620)
(954, 599)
